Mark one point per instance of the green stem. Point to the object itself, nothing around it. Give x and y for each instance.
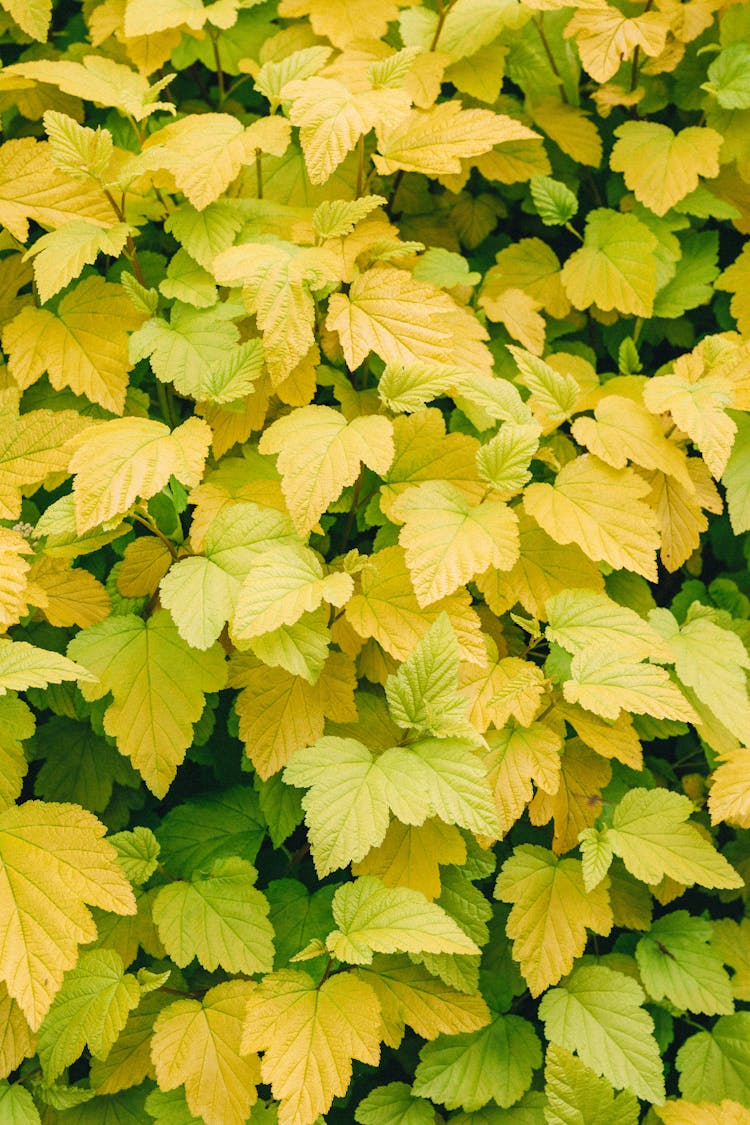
(236, 85)
(572, 229)
(538, 23)
(352, 513)
(130, 251)
(259, 173)
(360, 166)
(213, 36)
(150, 526)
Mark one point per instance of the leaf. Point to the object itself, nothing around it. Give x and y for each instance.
(615, 268)
(519, 756)
(79, 242)
(707, 1113)
(624, 430)
(575, 1094)
(310, 1036)
(504, 462)
(17, 1040)
(32, 16)
(576, 804)
(662, 167)
(80, 766)
(447, 541)
(320, 454)
(33, 187)
(129, 1061)
(335, 218)
(719, 682)
(728, 797)
(77, 150)
(597, 1013)
(553, 395)
(98, 79)
(194, 834)
(605, 37)
(387, 1105)
(142, 663)
(90, 1009)
(423, 694)
(607, 684)
(17, 723)
(727, 77)
(676, 962)
(582, 619)
(651, 833)
(17, 1105)
(600, 509)
(469, 1070)
(342, 21)
(693, 284)
(373, 918)
(54, 862)
(82, 346)
(554, 201)
(137, 853)
(550, 914)
(435, 140)
(197, 1044)
(218, 917)
(411, 855)
(570, 129)
(715, 1064)
(23, 666)
(456, 781)
(280, 587)
(147, 454)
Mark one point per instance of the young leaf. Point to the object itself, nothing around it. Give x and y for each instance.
(677, 963)
(555, 203)
(597, 1013)
(615, 268)
(54, 862)
(310, 1035)
(423, 694)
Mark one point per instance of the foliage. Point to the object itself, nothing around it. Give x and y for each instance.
(374, 499)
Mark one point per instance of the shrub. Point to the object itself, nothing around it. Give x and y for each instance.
(374, 487)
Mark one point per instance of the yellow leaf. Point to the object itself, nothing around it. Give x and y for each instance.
(607, 684)
(435, 140)
(72, 596)
(515, 161)
(577, 803)
(320, 453)
(519, 312)
(342, 21)
(146, 17)
(662, 167)
(569, 127)
(704, 1113)
(544, 568)
(679, 511)
(17, 1041)
(310, 1035)
(409, 994)
(144, 663)
(551, 912)
(206, 151)
(533, 266)
(281, 585)
(520, 756)
(606, 38)
(553, 394)
(144, 564)
(731, 940)
(411, 855)
(624, 430)
(609, 738)
(77, 150)
(98, 79)
(84, 345)
(32, 16)
(386, 608)
(15, 274)
(54, 861)
(31, 449)
(447, 541)
(602, 510)
(196, 1043)
(116, 462)
(280, 713)
(729, 796)
(736, 280)
(616, 266)
(32, 187)
(13, 577)
(424, 452)
(403, 320)
(61, 255)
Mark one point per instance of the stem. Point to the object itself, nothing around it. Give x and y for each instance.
(394, 192)
(150, 526)
(327, 971)
(166, 404)
(539, 25)
(259, 173)
(213, 36)
(352, 513)
(130, 251)
(236, 85)
(360, 166)
(443, 10)
(637, 328)
(572, 229)
(636, 58)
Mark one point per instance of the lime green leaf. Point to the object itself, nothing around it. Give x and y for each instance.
(320, 453)
(456, 780)
(197, 1044)
(710, 660)
(80, 766)
(16, 724)
(17, 1105)
(298, 917)
(218, 917)
(188, 281)
(310, 1034)
(504, 462)
(597, 1013)
(576, 1095)
(143, 663)
(551, 912)
(579, 619)
(728, 79)
(676, 962)
(493, 1064)
(302, 648)
(335, 218)
(54, 861)
(651, 833)
(61, 255)
(90, 1009)
(553, 394)
(282, 585)
(736, 477)
(615, 268)
(137, 853)
(693, 284)
(373, 918)
(394, 1105)
(23, 666)
(555, 203)
(196, 833)
(715, 1064)
(423, 693)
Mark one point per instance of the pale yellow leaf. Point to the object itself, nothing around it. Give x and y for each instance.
(662, 167)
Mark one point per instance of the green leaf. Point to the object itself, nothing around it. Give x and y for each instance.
(297, 916)
(373, 918)
(197, 832)
(137, 853)
(677, 963)
(394, 1105)
(692, 285)
(555, 203)
(23, 666)
(218, 917)
(91, 1009)
(577, 1096)
(80, 766)
(17, 1105)
(597, 1013)
(715, 1064)
(16, 725)
(469, 1070)
(736, 477)
(729, 77)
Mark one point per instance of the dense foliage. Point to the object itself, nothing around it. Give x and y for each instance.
(374, 498)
